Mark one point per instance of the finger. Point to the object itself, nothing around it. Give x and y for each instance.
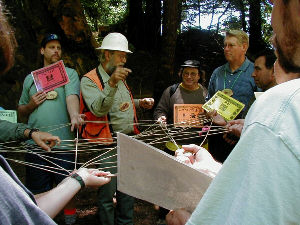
(191, 148)
(212, 113)
(57, 140)
(102, 173)
(51, 144)
(127, 70)
(44, 146)
(72, 127)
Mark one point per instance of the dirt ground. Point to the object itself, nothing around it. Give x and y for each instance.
(144, 212)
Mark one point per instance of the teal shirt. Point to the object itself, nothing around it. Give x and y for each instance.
(52, 115)
(108, 101)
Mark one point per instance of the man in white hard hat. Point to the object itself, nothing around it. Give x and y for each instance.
(105, 96)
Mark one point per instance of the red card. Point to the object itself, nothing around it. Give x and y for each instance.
(50, 77)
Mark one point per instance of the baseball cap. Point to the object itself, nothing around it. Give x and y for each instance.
(49, 37)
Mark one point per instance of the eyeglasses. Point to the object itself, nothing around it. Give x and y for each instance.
(193, 75)
(121, 56)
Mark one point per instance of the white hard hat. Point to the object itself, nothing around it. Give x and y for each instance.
(115, 41)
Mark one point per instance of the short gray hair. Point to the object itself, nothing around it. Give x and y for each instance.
(240, 35)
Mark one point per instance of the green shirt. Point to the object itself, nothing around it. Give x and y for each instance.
(52, 115)
(108, 101)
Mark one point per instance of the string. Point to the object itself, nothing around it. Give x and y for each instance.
(225, 79)
(167, 133)
(151, 130)
(76, 147)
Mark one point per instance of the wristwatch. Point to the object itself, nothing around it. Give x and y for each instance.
(77, 177)
(31, 131)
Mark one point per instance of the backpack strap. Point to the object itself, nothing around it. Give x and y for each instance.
(173, 89)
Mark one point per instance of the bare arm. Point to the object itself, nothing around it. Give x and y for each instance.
(73, 109)
(43, 139)
(53, 201)
(35, 100)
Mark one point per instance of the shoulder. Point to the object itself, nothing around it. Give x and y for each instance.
(86, 80)
(249, 64)
(273, 107)
(71, 71)
(28, 77)
(93, 72)
(28, 80)
(172, 89)
(219, 70)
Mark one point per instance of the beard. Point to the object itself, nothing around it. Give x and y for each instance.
(110, 69)
(287, 47)
(54, 59)
(286, 59)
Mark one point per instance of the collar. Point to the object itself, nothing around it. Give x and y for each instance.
(243, 67)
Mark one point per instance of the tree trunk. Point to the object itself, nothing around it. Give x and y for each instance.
(255, 30)
(153, 25)
(169, 36)
(136, 31)
(31, 20)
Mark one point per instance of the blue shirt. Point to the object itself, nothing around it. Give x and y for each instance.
(240, 82)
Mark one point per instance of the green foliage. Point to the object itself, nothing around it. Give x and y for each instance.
(103, 12)
(223, 15)
(266, 22)
(232, 22)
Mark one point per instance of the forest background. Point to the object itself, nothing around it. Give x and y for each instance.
(162, 34)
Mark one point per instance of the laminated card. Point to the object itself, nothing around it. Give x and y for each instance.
(187, 115)
(50, 77)
(152, 175)
(225, 105)
(9, 115)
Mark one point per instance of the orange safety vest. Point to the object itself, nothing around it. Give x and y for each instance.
(100, 130)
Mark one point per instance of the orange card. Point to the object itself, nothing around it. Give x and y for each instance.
(50, 77)
(187, 115)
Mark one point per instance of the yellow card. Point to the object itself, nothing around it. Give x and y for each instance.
(187, 115)
(9, 115)
(226, 106)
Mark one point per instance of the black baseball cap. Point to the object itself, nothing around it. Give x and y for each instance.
(191, 63)
(49, 37)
